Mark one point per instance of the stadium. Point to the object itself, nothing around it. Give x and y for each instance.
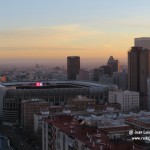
(54, 92)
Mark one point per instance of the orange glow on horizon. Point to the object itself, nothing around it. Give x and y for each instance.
(62, 41)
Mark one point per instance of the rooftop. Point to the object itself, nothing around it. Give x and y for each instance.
(125, 92)
(82, 98)
(98, 109)
(62, 84)
(142, 38)
(91, 136)
(36, 100)
(143, 122)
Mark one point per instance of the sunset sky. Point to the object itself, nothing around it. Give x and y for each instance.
(50, 30)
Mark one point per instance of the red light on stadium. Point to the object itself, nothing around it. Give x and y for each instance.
(39, 84)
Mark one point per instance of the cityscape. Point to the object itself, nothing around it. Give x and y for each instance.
(74, 75)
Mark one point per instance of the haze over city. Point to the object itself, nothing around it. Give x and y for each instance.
(74, 75)
(49, 31)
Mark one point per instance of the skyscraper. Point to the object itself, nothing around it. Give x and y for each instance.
(148, 94)
(134, 69)
(138, 69)
(73, 67)
(142, 42)
(106, 69)
(114, 64)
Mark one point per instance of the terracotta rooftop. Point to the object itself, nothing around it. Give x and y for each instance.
(91, 136)
(140, 121)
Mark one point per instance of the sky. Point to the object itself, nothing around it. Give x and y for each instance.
(36, 31)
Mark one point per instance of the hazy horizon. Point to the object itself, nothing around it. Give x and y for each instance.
(47, 32)
(91, 63)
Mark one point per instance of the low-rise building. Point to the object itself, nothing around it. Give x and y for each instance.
(53, 111)
(129, 100)
(141, 125)
(28, 109)
(38, 117)
(68, 132)
(140, 121)
(82, 102)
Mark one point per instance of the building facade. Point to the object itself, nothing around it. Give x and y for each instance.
(120, 78)
(138, 69)
(73, 67)
(148, 93)
(28, 109)
(128, 100)
(106, 69)
(84, 75)
(38, 117)
(114, 64)
(2, 94)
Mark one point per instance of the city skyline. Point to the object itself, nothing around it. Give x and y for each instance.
(48, 32)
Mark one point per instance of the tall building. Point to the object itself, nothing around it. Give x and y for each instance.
(106, 69)
(114, 64)
(142, 42)
(73, 67)
(96, 73)
(138, 69)
(120, 78)
(148, 94)
(84, 75)
(134, 69)
(28, 109)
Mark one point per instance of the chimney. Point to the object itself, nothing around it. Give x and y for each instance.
(90, 139)
(133, 147)
(101, 147)
(87, 134)
(93, 144)
(110, 146)
(75, 129)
